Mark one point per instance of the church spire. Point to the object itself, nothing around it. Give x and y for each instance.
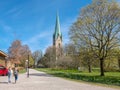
(57, 32)
(57, 38)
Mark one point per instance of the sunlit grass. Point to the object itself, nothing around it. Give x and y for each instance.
(22, 71)
(110, 78)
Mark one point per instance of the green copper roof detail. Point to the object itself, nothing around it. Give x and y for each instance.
(57, 28)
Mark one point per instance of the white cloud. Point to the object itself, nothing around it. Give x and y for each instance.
(6, 30)
(37, 37)
(40, 41)
(14, 12)
(11, 11)
(5, 27)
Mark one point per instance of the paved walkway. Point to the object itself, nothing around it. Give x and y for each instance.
(42, 81)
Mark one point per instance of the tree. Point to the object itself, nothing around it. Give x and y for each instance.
(87, 58)
(72, 56)
(24, 51)
(37, 55)
(31, 61)
(65, 62)
(117, 53)
(98, 27)
(49, 59)
(43, 62)
(13, 52)
(70, 49)
(119, 63)
(18, 53)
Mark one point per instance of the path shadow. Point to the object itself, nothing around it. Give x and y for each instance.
(40, 74)
(3, 82)
(7, 83)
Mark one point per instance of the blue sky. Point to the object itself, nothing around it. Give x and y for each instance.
(33, 21)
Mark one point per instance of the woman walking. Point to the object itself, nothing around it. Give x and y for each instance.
(16, 74)
(9, 74)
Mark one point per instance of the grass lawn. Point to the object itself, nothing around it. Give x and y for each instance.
(110, 78)
(22, 71)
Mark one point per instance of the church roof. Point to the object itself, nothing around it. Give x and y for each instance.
(57, 28)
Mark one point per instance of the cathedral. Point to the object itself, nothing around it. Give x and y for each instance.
(57, 39)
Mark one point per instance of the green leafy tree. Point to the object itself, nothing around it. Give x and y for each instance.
(31, 61)
(117, 54)
(98, 27)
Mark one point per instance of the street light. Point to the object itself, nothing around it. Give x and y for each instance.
(27, 64)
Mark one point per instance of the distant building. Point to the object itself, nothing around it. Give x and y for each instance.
(3, 60)
(57, 39)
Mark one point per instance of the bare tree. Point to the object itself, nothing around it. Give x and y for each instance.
(25, 52)
(49, 59)
(98, 26)
(37, 55)
(13, 52)
(72, 55)
(65, 62)
(70, 49)
(18, 53)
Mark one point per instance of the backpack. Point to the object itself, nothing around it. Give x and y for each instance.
(15, 72)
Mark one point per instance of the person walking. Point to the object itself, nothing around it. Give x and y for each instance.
(16, 74)
(9, 74)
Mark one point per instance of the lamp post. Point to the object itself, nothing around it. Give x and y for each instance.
(27, 67)
(27, 63)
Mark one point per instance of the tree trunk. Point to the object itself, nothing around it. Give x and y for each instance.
(89, 67)
(101, 67)
(119, 63)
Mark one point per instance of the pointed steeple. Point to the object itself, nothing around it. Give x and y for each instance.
(57, 39)
(57, 32)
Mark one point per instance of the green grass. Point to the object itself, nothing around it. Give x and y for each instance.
(22, 71)
(110, 78)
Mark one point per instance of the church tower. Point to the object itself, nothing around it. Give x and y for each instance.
(57, 38)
